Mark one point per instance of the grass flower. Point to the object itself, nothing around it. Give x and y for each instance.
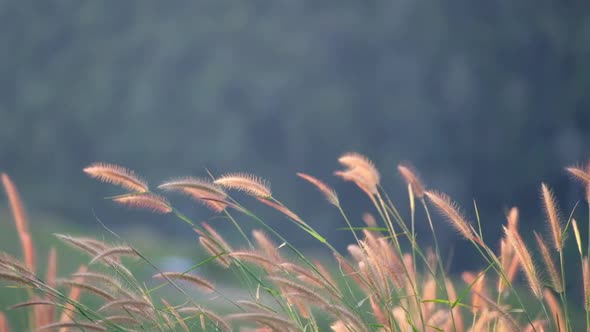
(386, 281)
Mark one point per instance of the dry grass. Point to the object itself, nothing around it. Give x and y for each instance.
(378, 286)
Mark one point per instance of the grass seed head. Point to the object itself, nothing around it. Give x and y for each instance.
(117, 175)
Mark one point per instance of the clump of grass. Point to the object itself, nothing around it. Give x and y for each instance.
(377, 286)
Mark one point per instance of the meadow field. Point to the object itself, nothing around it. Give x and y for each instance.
(59, 278)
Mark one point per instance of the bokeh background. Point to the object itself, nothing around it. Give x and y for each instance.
(485, 99)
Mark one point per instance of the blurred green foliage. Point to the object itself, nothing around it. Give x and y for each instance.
(485, 98)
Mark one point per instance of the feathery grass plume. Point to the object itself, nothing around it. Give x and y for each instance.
(307, 276)
(106, 280)
(504, 314)
(20, 220)
(193, 279)
(73, 297)
(139, 305)
(580, 174)
(176, 315)
(216, 237)
(505, 257)
(412, 179)
(42, 310)
(266, 245)
(256, 306)
(214, 250)
(586, 283)
(31, 303)
(369, 278)
(376, 264)
(317, 298)
(266, 319)
(114, 251)
(449, 209)
(512, 269)
(199, 185)
(325, 273)
(484, 320)
(457, 321)
(214, 204)
(218, 321)
(401, 317)
(85, 244)
(4, 323)
(119, 319)
(312, 293)
(512, 218)
(12, 264)
(68, 326)
(428, 294)
(536, 325)
(364, 166)
(526, 261)
(328, 192)
(145, 201)
(577, 235)
(553, 216)
(253, 257)
(356, 252)
(369, 188)
(348, 271)
(408, 262)
(29, 251)
(250, 184)
(509, 262)
(282, 209)
(369, 220)
(201, 190)
(555, 309)
(300, 304)
(93, 247)
(18, 211)
(340, 326)
(549, 264)
(478, 290)
(438, 319)
(17, 278)
(117, 175)
(378, 312)
(88, 287)
(391, 262)
(51, 274)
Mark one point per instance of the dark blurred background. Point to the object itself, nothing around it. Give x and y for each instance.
(485, 99)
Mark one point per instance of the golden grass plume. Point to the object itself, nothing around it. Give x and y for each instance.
(328, 192)
(553, 216)
(450, 210)
(20, 220)
(248, 183)
(412, 179)
(117, 175)
(550, 267)
(526, 261)
(191, 278)
(201, 190)
(145, 201)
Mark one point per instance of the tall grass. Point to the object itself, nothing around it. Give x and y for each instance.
(384, 282)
